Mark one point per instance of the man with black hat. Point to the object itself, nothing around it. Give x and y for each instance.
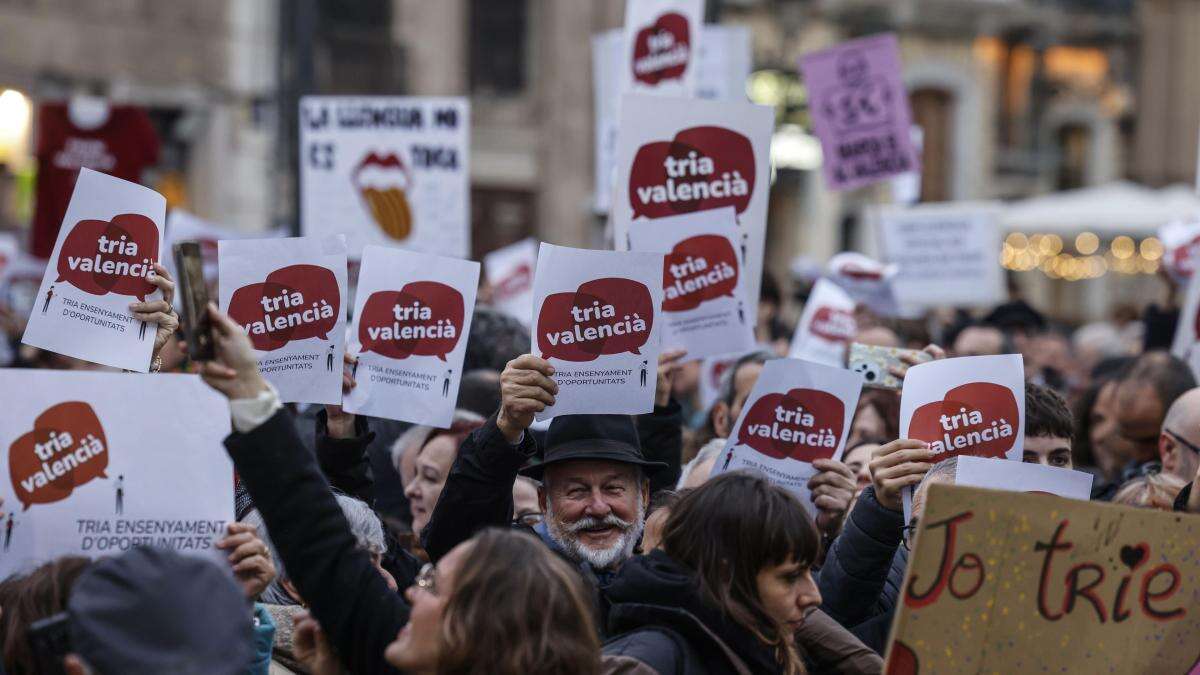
(595, 478)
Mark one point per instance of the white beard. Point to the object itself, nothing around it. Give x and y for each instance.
(566, 536)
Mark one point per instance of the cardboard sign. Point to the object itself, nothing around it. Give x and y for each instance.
(826, 326)
(597, 322)
(947, 254)
(860, 111)
(867, 282)
(386, 170)
(704, 310)
(678, 156)
(973, 405)
(1181, 244)
(723, 67)
(110, 239)
(290, 297)
(412, 316)
(1000, 474)
(797, 412)
(1045, 584)
(509, 271)
(99, 462)
(660, 46)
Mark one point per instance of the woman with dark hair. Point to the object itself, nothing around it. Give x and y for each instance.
(877, 416)
(37, 595)
(728, 588)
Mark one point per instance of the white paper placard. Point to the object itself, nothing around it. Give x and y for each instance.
(598, 323)
(412, 316)
(1181, 244)
(100, 462)
(726, 60)
(797, 412)
(704, 309)
(1187, 329)
(826, 326)
(972, 405)
(867, 282)
(682, 156)
(948, 254)
(290, 296)
(111, 237)
(389, 170)
(712, 370)
(509, 272)
(1001, 474)
(660, 45)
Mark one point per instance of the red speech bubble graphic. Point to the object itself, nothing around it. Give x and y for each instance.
(661, 50)
(296, 302)
(603, 316)
(803, 424)
(517, 281)
(424, 318)
(836, 325)
(1182, 260)
(101, 256)
(978, 418)
(66, 449)
(698, 269)
(702, 168)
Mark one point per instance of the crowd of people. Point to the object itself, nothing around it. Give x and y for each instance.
(596, 544)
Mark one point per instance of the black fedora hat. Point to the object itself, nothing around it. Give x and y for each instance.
(609, 438)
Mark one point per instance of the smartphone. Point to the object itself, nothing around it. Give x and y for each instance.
(50, 641)
(193, 300)
(875, 363)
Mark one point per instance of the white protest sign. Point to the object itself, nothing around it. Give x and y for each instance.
(412, 315)
(704, 309)
(796, 413)
(598, 323)
(389, 170)
(1187, 328)
(1181, 247)
(100, 462)
(509, 272)
(660, 45)
(826, 326)
(948, 254)
(866, 281)
(111, 237)
(973, 405)
(906, 187)
(1001, 474)
(678, 156)
(725, 62)
(290, 297)
(712, 370)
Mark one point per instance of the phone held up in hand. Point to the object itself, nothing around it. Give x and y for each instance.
(193, 298)
(875, 363)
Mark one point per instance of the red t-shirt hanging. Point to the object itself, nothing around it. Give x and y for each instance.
(123, 146)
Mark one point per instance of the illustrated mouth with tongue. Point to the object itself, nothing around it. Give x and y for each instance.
(384, 183)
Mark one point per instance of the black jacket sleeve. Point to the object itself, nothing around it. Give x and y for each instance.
(344, 460)
(860, 561)
(661, 436)
(478, 491)
(344, 591)
(1181, 500)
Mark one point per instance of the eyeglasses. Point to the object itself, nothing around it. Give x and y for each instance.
(908, 533)
(427, 579)
(528, 519)
(1182, 441)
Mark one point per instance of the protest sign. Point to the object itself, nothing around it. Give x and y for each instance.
(1187, 329)
(712, 370)
(1046, 584)
(597, 323)
(99, 462)
(947, 254)
(509, 272)
(867, 282)
(906, 187)
(860, 111)
(110, 239)
(184, 226)
(660, 46)
(797, 412)
(973, 405)
(725, 62)
(386, 170)
(678, 156)
(290, 297)
(704, 309)
(1001, 474)
(1181, 248)
(412, 315)
(826, 326)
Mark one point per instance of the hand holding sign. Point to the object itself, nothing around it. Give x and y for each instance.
(525, 390)
(249, 557)
(832, 491)
(159, 312)
(898, 465)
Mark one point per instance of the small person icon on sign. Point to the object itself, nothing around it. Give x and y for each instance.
(49, 294)
(446, 384)
(644, 366)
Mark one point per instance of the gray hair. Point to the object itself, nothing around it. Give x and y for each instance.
(364, 526)
(946, 467)
(416, 436)
(708, 451)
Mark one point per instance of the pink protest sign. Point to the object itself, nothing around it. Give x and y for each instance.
(860, 111)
